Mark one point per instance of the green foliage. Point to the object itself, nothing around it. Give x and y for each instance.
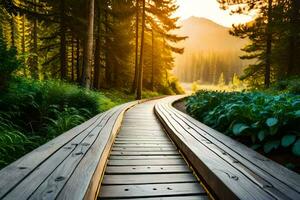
(12, 142)
(33, 112)
(8, 62)
(176, 87)
(291, 85)
(261, 120)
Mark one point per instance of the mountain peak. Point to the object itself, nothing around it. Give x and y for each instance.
(202, 21)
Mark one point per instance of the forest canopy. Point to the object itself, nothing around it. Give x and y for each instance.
(96, 43)
(274, 37)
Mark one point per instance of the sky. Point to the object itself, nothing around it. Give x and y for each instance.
(210, 10)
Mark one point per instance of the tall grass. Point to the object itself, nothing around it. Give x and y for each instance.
(33, 112)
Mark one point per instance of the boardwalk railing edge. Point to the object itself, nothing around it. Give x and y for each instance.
(28, 178)
(230, 169)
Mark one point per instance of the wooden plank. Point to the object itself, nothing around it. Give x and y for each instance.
(147, 169)
(195, 197)
(256, 167)
(145, 145)
(11, 175)
(140, 160)
(55, 182)
(142, 142)
(140, 123)
(150, 190)
(227, 181)
(155, 137)
(140, 135)
(146, 162)
(143, 139)
(140, 153)
(133, 131)
(147, 157)
(249, 161)
(84, 182)
(38, 176)
(146, 149)
(148, 179)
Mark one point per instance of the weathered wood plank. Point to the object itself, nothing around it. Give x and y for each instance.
(146, 146)
(150, 190)
(142, 142)
(259, 169)
(91, 168)
(147, 169)
(141, 136)
(140, 153)
(249, 161)
(148, 179)
(250, 164)
(11, 175)
(162, 139)
(146, 149)
(146, 162)
(145, 157)
(227, 181)
(142, 157)
(195, 197)
(37, 177)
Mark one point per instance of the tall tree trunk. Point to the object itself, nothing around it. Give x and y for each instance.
(34, 64)
(97, 55)
(136, 69)
(140, 79)
(12, 31)
(269, 46)
(88, 58)
(78, 77)
(63, 43)
(23, 45)
(294, 27)
(72, 59)
(108, 74)
(152, 60)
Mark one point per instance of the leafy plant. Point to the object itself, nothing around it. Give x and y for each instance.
(262, 120)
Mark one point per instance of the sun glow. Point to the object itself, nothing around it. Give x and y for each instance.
(209, 9)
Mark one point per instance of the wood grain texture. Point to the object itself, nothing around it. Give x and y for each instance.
(143, 157)
(127, 179)
(14, 173)
(162, 169)
(195, 197)
(146, 162)
(150, 190)
(147, 157)
(145, 149)
(247, 165)
(48, 172)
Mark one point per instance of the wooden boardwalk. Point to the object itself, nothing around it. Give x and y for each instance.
(144, 163)
(124, 153)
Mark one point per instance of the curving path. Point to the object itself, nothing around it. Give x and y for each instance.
(144, 163)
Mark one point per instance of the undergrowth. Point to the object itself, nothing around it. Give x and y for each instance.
(267, 122)
(34, 112)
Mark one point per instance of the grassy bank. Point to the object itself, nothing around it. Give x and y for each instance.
(34, 112)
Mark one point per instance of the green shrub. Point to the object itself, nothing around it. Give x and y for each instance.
(261, 120)
(291, 85)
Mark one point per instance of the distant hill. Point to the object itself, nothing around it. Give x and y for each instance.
(205, 34)
(209, 51)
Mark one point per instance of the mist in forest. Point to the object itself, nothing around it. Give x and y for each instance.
(209, 52)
